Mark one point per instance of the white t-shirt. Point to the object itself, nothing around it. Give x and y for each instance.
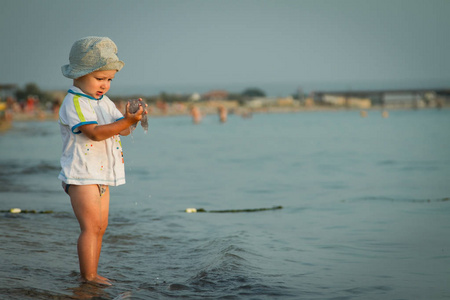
(84, 161)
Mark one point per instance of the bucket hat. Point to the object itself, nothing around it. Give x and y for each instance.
(91, 54)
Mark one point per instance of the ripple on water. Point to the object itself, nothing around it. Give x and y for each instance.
(395, 199)
(32, 293)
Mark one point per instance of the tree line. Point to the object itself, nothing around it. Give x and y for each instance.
(32, 89)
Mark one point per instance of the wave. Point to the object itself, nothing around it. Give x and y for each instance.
(8, 168)
(223, 267)
(231, 269)
(12, 175)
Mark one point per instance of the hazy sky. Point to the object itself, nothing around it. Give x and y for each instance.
(314, 43)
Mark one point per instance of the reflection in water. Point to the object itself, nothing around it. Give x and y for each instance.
(89, 291)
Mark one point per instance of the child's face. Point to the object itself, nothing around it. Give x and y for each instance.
(95, 84)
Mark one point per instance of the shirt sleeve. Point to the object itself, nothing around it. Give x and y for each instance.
(114, 111)
(117, 114)
(79, 112)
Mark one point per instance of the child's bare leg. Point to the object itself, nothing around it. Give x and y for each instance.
(105, 214)
(91, 211)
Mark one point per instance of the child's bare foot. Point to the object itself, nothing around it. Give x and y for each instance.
(99, 280)
(108, 282)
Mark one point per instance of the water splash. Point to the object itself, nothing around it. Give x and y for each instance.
(134, 107)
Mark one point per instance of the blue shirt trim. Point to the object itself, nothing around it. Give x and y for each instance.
(81, 124)
(84, 95)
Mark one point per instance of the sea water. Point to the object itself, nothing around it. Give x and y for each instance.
(366, 206)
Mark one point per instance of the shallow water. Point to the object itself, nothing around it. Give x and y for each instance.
(366, 205)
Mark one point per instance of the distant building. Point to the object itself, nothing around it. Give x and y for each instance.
(259, 102)
(393, 98)
(195, 97)
(347, 101)
(215, 95)
(287, 102)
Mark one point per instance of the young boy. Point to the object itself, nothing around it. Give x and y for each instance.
(92, 157)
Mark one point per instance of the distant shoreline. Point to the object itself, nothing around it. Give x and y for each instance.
(155, 113)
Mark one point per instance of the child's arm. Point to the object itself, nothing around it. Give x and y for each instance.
(101, 132)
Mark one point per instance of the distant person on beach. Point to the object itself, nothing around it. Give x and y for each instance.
(92, 157)
(223, 113)
(196, 115)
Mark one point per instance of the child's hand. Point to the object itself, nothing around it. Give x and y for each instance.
(137, 116)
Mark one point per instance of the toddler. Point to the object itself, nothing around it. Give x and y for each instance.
(92, 157)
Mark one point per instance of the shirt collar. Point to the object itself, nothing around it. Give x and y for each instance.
(77, 91)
